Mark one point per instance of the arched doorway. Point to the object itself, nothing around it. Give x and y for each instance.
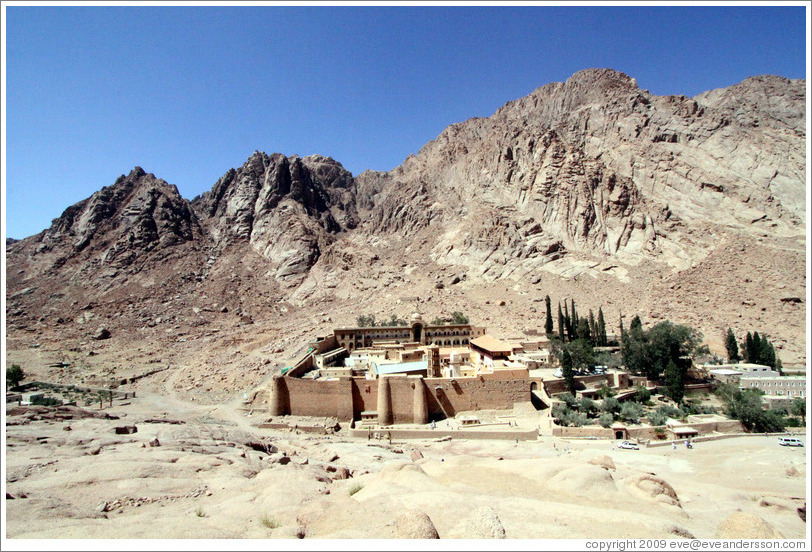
(417, 333)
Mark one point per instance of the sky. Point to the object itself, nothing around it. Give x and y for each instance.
(189, 92)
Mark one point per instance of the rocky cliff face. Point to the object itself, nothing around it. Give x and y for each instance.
(288, 209)
(596, 165)
(118, 226)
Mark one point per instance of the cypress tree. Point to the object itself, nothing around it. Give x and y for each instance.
(755, 354)
(583, 330)
(567, 372)
(767, 353)
(593, 330)
(574, 319)
(747, 350)
(567, 321)
(602, 341)
(731, 346)
(560, 323)
(548, 323)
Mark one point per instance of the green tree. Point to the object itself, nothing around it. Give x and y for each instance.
(798, 408)
(567, 371)
(593, 330)
(548, 322)
(610, 405)
(573, 319)
(458, 318)
(747, 349)
(567, 322)
(732, 346)
(602, 340)
(588, 407)
(746, 406)
(649, 352)
(569, 399)
(606, 419)
(582, 331)
(561, 323)
(582, 355)
(675, 382)
(642, 395)
(631, 412)
(14, 375)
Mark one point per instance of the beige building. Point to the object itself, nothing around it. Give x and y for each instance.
(418, 331)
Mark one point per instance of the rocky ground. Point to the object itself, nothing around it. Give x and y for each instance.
(193, 471)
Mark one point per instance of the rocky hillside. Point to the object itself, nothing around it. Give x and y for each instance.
(671, 207)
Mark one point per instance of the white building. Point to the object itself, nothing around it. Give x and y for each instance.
(787, 386)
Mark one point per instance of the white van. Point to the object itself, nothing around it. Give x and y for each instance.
(790, 442)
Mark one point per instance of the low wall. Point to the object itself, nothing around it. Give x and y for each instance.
(395, 433)
(648, 433)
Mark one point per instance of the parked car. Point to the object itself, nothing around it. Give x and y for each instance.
(558, 374)
(628, 445)
(790, 442)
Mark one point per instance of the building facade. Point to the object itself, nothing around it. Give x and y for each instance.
(418, 331)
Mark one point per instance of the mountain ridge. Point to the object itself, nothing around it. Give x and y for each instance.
(582, 186)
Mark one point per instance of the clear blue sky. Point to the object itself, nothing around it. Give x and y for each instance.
(189, 92)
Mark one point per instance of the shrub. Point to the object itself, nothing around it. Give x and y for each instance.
(588, 407)
(199, 512)
(269, 521)
(657, 418)
(574, 419)
(14, 375)
(45, 401)
(570, 399)
(605, 419)
(559, 410)
(642, 394)
(631, 412)
(355, 488)
(611, 405)
(605, 391)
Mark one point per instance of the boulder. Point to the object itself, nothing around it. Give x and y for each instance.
(483, 523)
(416, 455)
(412, 524)
(126, 430)
(742, 525)
(101, 333)
(604, 461)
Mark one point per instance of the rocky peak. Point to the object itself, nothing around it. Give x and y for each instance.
(137, 214)
(287, 208)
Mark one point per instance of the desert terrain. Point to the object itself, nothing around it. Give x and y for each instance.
(198, 471)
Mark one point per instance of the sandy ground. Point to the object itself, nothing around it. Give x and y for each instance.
(216, 475)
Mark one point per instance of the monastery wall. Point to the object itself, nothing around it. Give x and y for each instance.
(441, 398)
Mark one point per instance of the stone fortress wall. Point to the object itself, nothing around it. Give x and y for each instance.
(397, 399)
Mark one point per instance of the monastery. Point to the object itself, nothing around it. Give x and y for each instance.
(415, 373)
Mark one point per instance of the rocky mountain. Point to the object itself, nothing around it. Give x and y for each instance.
(671, 207)
(288, 209)
(597, 165)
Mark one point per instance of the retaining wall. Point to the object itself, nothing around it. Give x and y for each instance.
(521, 435)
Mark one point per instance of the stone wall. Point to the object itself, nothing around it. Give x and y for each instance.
(347, 397)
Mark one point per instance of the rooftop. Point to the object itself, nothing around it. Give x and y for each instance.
(400, 367)
(491, 344)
